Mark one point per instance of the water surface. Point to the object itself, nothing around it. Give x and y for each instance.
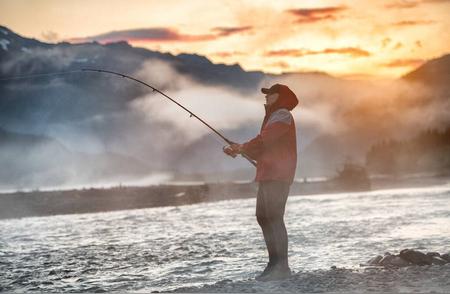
(167, 248)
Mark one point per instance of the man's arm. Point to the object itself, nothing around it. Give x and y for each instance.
(275, 128)
(252, 148)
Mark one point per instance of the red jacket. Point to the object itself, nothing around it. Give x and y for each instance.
(275, 148)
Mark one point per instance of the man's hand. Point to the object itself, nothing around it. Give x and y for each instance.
(233, 150)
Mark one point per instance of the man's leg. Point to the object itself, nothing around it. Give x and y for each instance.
(267, 230)
(271, 202)
(264, 223)
(280, 241)
(275, 236)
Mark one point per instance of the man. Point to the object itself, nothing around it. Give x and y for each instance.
(275, 151)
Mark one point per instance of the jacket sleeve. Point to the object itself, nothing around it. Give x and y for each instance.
(253, 148)
(269, 135)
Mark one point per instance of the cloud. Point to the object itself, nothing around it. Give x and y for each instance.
(398, 45)
(160, 34)
(436, 1)
(352, 51)
(413, 22)
(311, 15)
(404, 63)
(402, 4)
(356, 52)
(50, 36)
(280, 64)
(286, 52)
(226, 54)
(227, 31)
(385, 42)
(406, 4)
(145, 35)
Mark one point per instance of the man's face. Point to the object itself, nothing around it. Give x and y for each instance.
(271, 98)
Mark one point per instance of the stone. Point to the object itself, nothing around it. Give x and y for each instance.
(393, 261)
(446, 257)
(375, 260)
(409, 257)
(400, 262)
(438, 260)
(386, 260)
(404, 250)
(415, 257)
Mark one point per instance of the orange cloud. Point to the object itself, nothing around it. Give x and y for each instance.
(413, 22)
(355, 52)
(226, 31)
(398, 45)
(50, 36)
(144, 35)
(310, 15)
(225, 54)
(280, 64)
(436, 1)
(402, 4)
(404, 63)
(411, 4)
(286, 52)
(160, 34)
(385, 42)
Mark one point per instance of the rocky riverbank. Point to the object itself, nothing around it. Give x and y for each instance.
(413, 279)
(409, 271)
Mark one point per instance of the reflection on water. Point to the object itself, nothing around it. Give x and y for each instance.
(166, 248)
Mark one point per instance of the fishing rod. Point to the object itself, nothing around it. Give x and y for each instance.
(191, 114)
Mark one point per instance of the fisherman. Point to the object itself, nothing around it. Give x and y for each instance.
(275, 150)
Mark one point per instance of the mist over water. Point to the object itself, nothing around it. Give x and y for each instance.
(222, 107)
(104, 115)
(172, 247)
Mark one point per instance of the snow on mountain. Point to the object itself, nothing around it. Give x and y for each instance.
(4, 43)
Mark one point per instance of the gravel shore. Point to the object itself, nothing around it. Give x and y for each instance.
(423, 279)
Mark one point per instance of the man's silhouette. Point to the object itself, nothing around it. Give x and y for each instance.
(275, 151)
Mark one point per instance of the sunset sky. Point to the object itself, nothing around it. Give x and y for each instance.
(364, 39)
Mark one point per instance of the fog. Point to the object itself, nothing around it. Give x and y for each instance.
(103, 121)
(221, 107)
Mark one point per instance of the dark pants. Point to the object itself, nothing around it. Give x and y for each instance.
(270, 206)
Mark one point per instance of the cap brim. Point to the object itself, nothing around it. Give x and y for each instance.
(265, 90)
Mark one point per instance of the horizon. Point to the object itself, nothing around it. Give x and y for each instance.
(385, 43)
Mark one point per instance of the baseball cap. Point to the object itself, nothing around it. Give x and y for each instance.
(274, 89)
(287, 98)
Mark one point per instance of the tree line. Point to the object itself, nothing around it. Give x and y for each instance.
(429, 151)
